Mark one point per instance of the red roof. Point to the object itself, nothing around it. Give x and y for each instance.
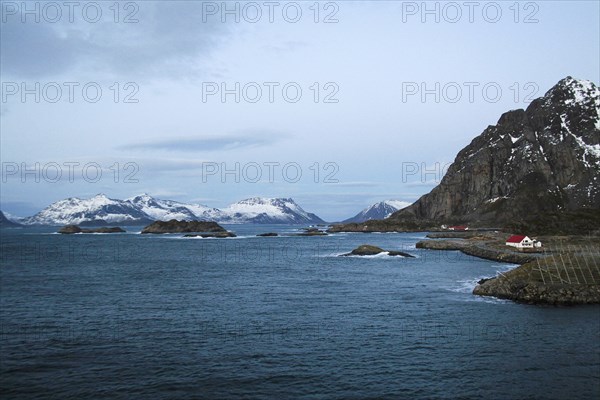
(515, 239)
(459, 227)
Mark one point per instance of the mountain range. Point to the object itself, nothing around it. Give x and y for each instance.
(538, 167)
(534, 167)
(143, 209)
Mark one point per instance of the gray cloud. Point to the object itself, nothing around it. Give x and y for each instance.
(169, 39)
(35, 50)
(211, 143)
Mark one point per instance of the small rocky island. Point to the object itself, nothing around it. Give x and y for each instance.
(203, 229)
(71, 229)
(268, 234)
(370, 250)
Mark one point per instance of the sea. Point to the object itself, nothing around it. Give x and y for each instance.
(122, 316)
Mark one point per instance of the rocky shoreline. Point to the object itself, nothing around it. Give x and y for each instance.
(558, 276)
(538, 293)
(477, 250)
(385, 225)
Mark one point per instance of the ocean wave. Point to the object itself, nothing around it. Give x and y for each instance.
(382, 256)
(206, 238)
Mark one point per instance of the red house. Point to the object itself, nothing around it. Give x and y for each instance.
(519, 241)
(459, 228)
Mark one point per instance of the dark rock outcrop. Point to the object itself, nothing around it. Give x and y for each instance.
(70, 229)
(175, 226)
(538, 293)
(370, 250)
(547, 281)
(268, 234)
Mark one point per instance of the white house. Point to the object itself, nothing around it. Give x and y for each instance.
(522, 242)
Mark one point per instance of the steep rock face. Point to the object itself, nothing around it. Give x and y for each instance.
(534, 161)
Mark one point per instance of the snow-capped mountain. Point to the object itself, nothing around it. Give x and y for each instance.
(259, 210)
(379, 210)
(142, 209)
(165, 210)
(96, 210)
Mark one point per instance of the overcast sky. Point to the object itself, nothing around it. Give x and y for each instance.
(331, 91)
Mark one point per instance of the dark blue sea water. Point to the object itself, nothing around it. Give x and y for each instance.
(138, 316)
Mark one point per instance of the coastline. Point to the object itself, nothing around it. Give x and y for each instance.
(563, 274)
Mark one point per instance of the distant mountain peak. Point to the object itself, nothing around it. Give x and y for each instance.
(268, 210)
(380, 210)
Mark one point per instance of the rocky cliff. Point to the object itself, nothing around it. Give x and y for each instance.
(542, 159)
(535, 162)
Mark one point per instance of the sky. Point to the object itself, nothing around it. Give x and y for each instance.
(336, 104)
